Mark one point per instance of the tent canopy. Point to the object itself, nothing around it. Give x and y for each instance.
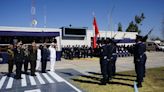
(23, 33)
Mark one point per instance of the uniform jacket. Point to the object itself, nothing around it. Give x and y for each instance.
(52, 52)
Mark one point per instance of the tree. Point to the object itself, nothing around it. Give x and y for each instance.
(134, 26)
(119, 27)
(131, 27)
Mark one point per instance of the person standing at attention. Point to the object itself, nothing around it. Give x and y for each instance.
(52, 50)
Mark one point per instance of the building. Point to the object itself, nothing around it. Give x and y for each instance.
(64, 36)
(69, 36)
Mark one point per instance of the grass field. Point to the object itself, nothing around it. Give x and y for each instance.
(123, 82)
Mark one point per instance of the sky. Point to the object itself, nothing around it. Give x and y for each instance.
(79, 13)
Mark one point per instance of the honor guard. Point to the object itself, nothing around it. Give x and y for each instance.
(139, 59)
(114, 56)
(105, 62)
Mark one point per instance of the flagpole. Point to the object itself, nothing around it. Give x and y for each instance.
(111, 19)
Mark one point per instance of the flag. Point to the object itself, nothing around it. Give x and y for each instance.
(95, 27)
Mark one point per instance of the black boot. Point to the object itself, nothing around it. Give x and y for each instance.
(103, 82)
(139, 85)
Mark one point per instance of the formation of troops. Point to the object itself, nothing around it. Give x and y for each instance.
(70, 52)
(108, 57)
(37, 55)
(84, 51)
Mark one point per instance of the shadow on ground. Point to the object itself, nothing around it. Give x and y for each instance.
(94, 78)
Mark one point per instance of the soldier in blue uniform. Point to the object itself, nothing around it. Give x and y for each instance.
(114, 56)
(139, 59)
(105, 62)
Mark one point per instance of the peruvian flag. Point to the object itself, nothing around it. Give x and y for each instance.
(95, 27)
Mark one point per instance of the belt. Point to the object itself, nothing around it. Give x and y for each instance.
(114, 54)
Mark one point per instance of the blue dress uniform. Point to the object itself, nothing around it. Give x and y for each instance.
(105, 63)
(44, 58)
(113, 59)
(139, 59)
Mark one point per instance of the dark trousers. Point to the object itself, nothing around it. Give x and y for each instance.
(139, 68)
(106, 69)
(10, 66)
(26, 65)
(145, 58)
(44, 64)
(33, 66)
(18, 69)
(114, 65)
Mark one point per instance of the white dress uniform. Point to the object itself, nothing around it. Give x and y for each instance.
(38, 61)
(52, 58)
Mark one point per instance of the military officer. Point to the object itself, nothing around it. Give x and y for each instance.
(33, 58)
(44, 57)
(10, 59)
(18, 56)
(26, 58)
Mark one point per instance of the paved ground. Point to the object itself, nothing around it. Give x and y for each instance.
(58, 81)
(154, 59)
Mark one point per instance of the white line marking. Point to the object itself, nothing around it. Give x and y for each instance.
(40, 78)
(23, 80)
(2, 81)
(34, 90)
(55, 76)
(63, 80)
(48, 78)
(32, 80)
(10, 83)
(135, 87)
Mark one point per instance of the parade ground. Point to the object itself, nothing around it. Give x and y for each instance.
(77, 76)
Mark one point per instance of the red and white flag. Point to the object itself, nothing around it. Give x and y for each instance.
(95, 27)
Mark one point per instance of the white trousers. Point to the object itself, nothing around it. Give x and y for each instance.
(38, 62)
(52, 64)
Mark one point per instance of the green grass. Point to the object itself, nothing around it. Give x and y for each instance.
(123, 82)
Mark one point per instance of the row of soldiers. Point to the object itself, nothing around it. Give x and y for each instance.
(20, 54)
(70, 52)
(108, 57)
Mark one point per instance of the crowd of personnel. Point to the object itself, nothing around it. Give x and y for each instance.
(108, 57)
(37, 55)
(84, 51)
(70, 52)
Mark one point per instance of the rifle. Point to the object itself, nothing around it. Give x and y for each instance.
(146, 36)
(114, 36)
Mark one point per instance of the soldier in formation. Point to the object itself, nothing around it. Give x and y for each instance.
(107, 59)
(140, 58)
